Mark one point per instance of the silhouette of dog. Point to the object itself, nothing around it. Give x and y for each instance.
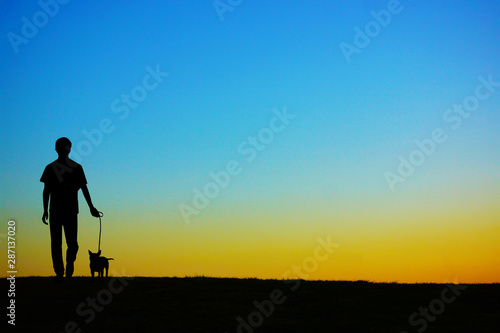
(98, 264)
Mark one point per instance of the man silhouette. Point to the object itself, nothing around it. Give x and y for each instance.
(63, 178)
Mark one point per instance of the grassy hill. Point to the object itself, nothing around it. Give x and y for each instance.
(251, 305)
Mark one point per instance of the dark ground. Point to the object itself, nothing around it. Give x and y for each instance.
(213, 305)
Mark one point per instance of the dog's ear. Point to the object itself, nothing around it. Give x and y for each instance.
(90, 252)
(99, 253)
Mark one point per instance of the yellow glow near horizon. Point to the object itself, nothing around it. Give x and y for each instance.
(440, 243)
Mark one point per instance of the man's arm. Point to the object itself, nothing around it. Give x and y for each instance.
(86, 195)
(46, 196)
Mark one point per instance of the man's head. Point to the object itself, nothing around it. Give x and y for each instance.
(63, 146)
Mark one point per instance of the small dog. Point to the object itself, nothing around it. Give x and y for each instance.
(98, 264)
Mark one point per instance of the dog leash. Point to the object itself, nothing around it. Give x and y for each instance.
(101, 214)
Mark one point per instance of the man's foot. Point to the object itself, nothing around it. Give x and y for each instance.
(70, 267)
(59, 279)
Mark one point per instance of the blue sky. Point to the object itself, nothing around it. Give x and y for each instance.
(225, 78)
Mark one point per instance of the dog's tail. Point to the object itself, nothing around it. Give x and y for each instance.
(110, 259)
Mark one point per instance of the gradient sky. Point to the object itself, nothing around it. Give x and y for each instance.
(323, 175)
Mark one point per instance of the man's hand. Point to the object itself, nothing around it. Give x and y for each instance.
(94, 212)
(45, 217)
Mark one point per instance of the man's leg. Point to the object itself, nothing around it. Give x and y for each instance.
(71, 234)
(56, 244)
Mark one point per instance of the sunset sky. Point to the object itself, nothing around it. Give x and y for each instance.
(375, 124)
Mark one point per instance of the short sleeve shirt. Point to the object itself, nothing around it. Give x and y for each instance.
(63, 180)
